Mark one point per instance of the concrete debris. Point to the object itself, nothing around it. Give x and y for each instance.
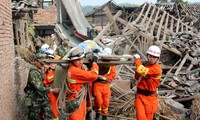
(175, 106)
(195, 111)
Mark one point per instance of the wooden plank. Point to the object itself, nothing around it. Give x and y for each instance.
(149, 21)
(172, 25)
(181, 64)
(110, 18)
(177, 25)
(99, 62)
(131, 26)
(154, 22)
(139, 16)
(170, 71)
(164, 32)
(136, 48)
(97, 38)
(160, 25)
(145, 16)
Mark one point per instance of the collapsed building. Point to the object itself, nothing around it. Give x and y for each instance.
(179, 42)
(174, 29)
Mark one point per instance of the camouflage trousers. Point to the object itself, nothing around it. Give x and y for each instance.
(40, 110)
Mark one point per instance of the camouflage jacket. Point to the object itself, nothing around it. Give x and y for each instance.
(35, 85)
(62, 51)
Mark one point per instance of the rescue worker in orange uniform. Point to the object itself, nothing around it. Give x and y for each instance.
(148, 77)
(77, 78)
(101, 89)
(48, 80)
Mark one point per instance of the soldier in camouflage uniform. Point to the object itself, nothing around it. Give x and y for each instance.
(63, 49)
(92, 33)
(36, 93)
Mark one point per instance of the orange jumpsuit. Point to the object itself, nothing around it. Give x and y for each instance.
(146, 101)
(48, 80)
(102, 92)
(76, 79)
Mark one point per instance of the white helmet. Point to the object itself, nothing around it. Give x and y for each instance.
(76, 53)
(44, 47)
(154, 51)
(49, 53)
(107, 51)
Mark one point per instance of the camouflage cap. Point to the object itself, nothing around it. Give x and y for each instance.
(40, 56)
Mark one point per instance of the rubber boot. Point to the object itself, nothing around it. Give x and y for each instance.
(88, 115)
(104, 117)
(97, 116)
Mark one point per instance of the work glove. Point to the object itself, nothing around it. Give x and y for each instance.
(95, 58)
(136, 56)
(101, 77)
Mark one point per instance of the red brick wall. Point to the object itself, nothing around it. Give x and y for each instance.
(45, 16)
(7, 96)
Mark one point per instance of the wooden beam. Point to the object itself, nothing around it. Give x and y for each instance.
(97, 38)
(99, 62)
(110, 18)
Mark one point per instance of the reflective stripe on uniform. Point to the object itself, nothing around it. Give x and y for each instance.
(109, 71)
(71, 80)
(56, 119)
(50, 77)
(96, 71)
(104, 109)
(142, 70)
(158, 77)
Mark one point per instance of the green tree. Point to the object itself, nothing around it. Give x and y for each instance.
(179, 1)
(127, 5)
(87, 9)
(162, 1)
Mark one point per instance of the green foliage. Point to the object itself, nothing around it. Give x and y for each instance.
(180, 1)
(162, 1)
(31, 31)
(127, 5)
(88, 9)
(177, 1)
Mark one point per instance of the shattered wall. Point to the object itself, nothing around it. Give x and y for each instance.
(21, 76)
(45, 16)
(7, 93)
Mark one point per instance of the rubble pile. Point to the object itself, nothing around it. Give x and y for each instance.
(121, 102)
(195, 113)
(187, 13)
(180, 58)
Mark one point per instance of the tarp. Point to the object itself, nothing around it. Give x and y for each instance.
(76, 15)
